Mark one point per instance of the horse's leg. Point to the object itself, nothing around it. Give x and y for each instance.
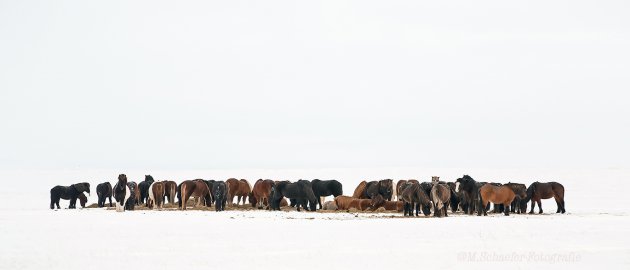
(540, 211)
(533, 205)
(506, 209)
(562, 203)
(558, 204)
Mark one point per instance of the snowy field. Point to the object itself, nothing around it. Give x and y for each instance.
(594, 232)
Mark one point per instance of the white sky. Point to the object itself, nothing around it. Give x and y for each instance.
(310, 84)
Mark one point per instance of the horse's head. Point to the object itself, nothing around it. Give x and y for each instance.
(82, 187)
(386, 187)
(149, 178)
(122, 179)
(377, 202)
(82, 200)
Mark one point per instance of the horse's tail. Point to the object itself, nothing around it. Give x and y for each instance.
(182, 195)
(395, 192)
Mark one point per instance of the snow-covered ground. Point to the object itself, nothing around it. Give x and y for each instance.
(594, 233)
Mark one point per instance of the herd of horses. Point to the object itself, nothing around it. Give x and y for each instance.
(408, 196)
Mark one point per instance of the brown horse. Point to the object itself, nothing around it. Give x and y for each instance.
(260, 193)
(414, 196)
(198, 189)
(360, 190)
(394, 205)
(343, 202)
(496, 195)
(156, 195)
(398, 190)
(170, 191)
(441, 197)
(239, 189)
(537, 191)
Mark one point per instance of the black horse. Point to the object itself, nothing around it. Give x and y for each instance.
(131, 202)
(104, 191)
(301, 191)
(470, 193)
(383, 187)
(520, 190)
(220, 191)
(210, 197)
(71, 193)
(144, 188)
(323, 188)
(455, 198)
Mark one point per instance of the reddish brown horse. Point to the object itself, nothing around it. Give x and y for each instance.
(397, 206)
(197, 189)
(156, 195)
(170, 191)
(360, 190)
(239, 189)
(260, 193)
(537, 191)
(496, 195)
(346, 203)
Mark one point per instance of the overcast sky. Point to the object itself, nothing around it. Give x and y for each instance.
(310, 84)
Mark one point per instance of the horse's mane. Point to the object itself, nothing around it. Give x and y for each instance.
(149, 177)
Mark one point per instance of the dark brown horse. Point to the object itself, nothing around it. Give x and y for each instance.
(260, 192)
(496, 195)
(537, 191)
(198, 189)
(368, 190)
(239, 189)
(414, 196)
(520, 190)
(170, 191)
(82, 200)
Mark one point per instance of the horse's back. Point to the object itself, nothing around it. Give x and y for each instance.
(358, 192)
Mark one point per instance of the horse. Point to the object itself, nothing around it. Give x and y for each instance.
(170, 191)
(121, 193)
(198, 189)
(82, 199)
(414, 195)
(301, 191)
(343, 202)
(441, 197)
(394, 205)
(521, 193)
(497, 195)
(469, 192)
(330, 205)
(143, 187)
(368, 190)
(323, 188)
(455, 197)
(156, 195)
(239, 189)
(260, 193)
(220, 190)
(397, 190)
(383, 187)
(67, 193)
(104, 191)
(359, 190)
(537, 191)
(135, 196)
(367, 204)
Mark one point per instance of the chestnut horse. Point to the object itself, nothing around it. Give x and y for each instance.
(239, 189)
(260, 193)
(496, 195)
(346, 203)
(397, 206)
(156, 195)
(537, 191)
(197, 189)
